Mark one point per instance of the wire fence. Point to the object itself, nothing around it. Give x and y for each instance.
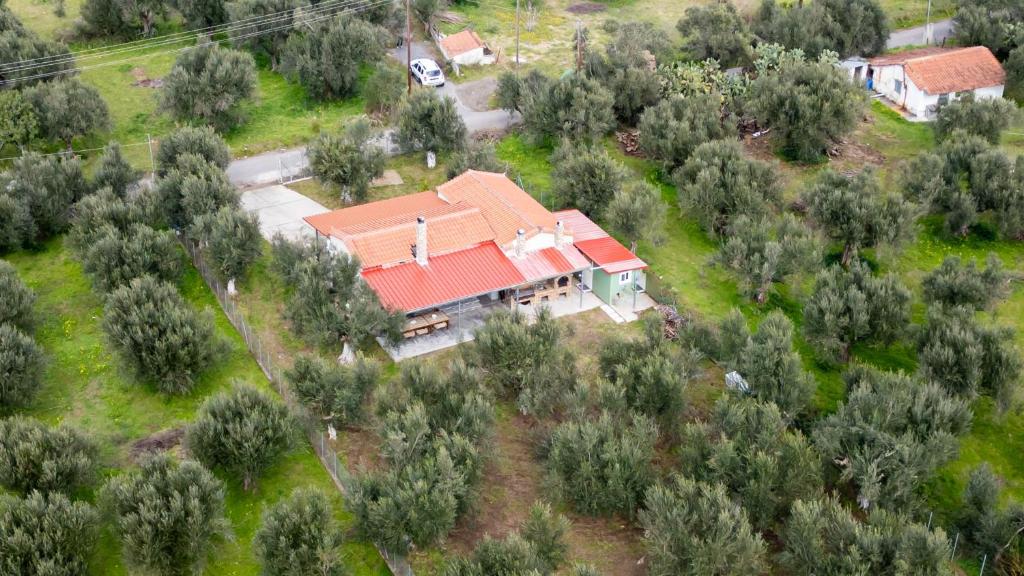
(398, 564)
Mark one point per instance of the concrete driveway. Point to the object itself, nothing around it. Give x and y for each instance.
(281, 211)
(941, 30)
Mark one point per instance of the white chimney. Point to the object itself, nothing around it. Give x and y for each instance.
(421, 241)
(559, 233)
(520, 246)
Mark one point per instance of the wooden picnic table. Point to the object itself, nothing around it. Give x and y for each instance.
(425, 323)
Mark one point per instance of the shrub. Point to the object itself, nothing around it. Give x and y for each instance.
(334, 393)
(603, 466)
(299, 536)
(231, 240)
(429, 123)
(348, 161)
(956, 284)
(116, 258)
(21, 366)
(586, 178)
(693, 528)
(545, 531)
(326, 59)
(34, 456)
(114, 172)
(719, 182)
(199, 140)
(747, 448)
(475, 156)
(384, 88)
(18, 298)
(675, 127)
(208, 85)
(168, 342)
(889, 437)
(166, 514)
(46, 535)
(242, 431)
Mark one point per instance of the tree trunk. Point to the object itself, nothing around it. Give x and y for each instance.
(632, 246)
(246, 482)
(67, 148)
(848, 252)
(762, 295)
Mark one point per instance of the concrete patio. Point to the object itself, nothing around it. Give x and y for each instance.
(281, 210)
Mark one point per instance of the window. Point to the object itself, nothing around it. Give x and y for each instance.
(624, 277)
(899, 86)
(943, 99)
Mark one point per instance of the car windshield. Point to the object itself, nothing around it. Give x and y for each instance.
(433, 73)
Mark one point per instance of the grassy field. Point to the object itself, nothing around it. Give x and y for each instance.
(87, 385)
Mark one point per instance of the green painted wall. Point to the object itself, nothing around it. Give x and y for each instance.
(603, 285)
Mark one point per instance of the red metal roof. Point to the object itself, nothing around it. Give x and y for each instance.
(446, 278)
(579, 226)
(550, 262)
(611, 256)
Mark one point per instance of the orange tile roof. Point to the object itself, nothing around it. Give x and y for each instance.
(955, 70)
(389, 241)
(506, 207)
(412, 204)
(460, 43)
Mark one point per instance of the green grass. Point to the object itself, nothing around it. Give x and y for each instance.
(88, 385)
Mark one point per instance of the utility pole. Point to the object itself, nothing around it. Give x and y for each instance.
(579, 46)
(517, 33)
(408, 47)
(929, 34)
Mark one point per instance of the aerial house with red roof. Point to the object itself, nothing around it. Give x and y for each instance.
(479, 241)
(920, 81)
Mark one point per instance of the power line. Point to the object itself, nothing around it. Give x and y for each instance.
(236, 38)
(169, 39)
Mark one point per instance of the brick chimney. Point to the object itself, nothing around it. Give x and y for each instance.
(421, 241)
(559, 234)
(520, 246)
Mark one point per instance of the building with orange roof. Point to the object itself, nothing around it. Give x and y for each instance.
(477, 239)
(923, 79)
(465, 48)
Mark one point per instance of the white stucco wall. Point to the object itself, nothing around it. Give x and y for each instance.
(913, 99)
(474, 56)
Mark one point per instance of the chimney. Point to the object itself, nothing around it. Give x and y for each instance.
(421, 241)
(520, 246)
(559, 233)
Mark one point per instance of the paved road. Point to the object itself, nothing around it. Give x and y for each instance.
(915, 36)
(268, 168)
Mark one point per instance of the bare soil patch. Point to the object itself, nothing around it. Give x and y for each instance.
(612, 545)
(361, 449)
(143, 81)
(586, 8)
(161, 441)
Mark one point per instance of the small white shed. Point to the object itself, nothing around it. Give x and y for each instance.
(921, 80)
(465, 49)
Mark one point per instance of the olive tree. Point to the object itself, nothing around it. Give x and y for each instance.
(772, 367)
(538, 547)
(231, 241)
(990, 23)
(987, 118)
(242, 431)
(326, 60)
(586, 178)
(850, 306)
(718, 183)
(671, 130)
(208, 85)
(349, 161)
(114, 172)
(693, 528)
(808, 104)
(988, 527)
(716, 31)
(747, 447)
(575, 107)
(169, 343)
(334, 393)
(202, 13)
(889, 436)
(194, 188)
(45, 187)
(429, 123)
(167, 514)
(637, 212)
(201, 141)
(763, 252)
(299, 536)
(269, 42)
(16, 308)
(46, 535)
(475, 156)
(114, 258)
(21, 366)
(384, 89)
(854, 212)
(34, 456)
(66, 109)
(955, 283)
(18, 122)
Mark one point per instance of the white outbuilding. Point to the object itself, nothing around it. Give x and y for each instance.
(920, 81)
(465, 49)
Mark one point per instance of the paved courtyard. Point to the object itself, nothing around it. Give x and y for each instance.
(281, 210)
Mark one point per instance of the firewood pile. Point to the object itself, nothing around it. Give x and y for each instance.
(672, 320)
(630, 141)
